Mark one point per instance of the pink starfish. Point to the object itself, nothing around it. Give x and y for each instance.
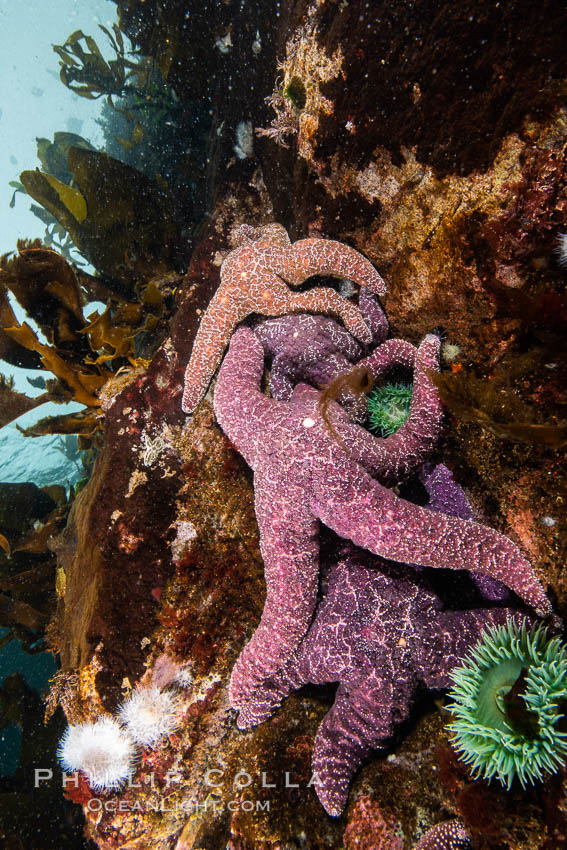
(302, 474)
(254, 279)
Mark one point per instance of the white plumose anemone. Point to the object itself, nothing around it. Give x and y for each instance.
(150, 714)
(103, 750)
(561, 249)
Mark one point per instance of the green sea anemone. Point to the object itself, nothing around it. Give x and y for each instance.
(510, 704)
(388, 407)
(296, 93)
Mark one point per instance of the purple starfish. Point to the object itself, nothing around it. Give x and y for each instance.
(381, 633)
(449, 835)
(375, 621)
(448, 497)
(315, 348)
(303, 474)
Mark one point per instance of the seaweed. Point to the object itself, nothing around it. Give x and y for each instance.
(358, 382)
(10, 350)
(83, 353)
(83, 423)
(54, 156)
(119, 220)
(498, 408)
(48, 289)
(29, 517)
(13, 403)
(84, 70)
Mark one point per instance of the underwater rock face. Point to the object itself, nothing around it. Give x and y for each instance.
(203, 614)
(169, 563)
(368, 829)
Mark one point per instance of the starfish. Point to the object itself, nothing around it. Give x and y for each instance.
(449, 835)
(253, 280)
(374, 618)
(303, 475)
(317, 349)
(381, 632)
(448, 497)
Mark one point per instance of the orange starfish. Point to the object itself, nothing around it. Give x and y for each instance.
(253, 280)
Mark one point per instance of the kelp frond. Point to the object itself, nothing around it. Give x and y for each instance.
(497, 408)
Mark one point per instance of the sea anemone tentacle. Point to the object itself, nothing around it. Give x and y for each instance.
(510, 704)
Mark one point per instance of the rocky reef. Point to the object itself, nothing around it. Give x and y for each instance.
(244, 541)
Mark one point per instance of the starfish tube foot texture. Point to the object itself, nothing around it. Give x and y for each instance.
(255, 278)
(305, 348)
(449, 835)
(395, 458)
(317, 350)
(381, 632)
(302, 474)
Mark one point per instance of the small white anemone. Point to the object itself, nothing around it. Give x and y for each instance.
(244, 146)
(450, 352)
(561, 249)
(150, 714)
(102, 750)
(184, 678)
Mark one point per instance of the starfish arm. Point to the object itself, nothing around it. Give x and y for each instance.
(392, 353)
(281, 383)
(265, 700)
(285, 376)
(449, 638)
(447, 496)
(449, 835)
(275, 234)
(393, 458)
(373, 315)
(321, 299)
(238, 402)
(289, 543)
(327, 257)
(305, 338)
(362, 717)
(305, 348)
(330, 650)
(217, 325)
(261, 291)
(358, 508)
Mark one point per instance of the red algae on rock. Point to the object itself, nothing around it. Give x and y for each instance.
(368, 829)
